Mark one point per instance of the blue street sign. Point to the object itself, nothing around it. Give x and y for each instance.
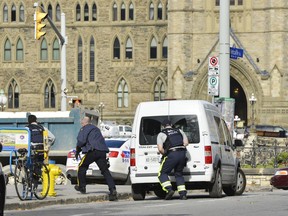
(235, 53)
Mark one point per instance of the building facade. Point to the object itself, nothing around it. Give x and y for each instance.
(122, 52)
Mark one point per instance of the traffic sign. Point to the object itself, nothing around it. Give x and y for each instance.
(213, 68)
(235, 53)
(213, 85)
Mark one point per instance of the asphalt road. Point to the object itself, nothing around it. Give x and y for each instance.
(249, 204)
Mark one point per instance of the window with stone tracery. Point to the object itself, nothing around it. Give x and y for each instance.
(49, 95)
(122, 94)
(13, 95)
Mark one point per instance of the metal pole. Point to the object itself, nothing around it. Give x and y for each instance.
(63, 65)
(224, 55)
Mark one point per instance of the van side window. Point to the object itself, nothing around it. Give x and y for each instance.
(220, 130)
(212, 127)
(227, 133)
(151, 127)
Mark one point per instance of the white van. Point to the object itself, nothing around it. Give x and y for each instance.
(211, 160)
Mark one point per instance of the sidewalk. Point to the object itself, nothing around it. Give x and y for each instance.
(65, 194)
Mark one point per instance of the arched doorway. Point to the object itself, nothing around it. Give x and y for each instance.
(237, 92)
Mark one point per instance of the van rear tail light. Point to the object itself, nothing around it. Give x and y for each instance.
(208, 155)
(113, 154)
(132, 157)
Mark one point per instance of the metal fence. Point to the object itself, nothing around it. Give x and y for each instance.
(267, 153)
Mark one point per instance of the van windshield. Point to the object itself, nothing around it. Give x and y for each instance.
(151, 127)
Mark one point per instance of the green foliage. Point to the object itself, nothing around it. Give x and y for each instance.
(282, 158)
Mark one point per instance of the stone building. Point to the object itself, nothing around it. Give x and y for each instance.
(122, 52)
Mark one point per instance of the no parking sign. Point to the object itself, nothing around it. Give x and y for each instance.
(213, 68)
(213, 76)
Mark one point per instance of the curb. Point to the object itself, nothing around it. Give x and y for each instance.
(32, 204)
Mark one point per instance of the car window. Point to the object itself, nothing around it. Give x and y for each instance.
(128, 129)
(114, 143)
(151, 126)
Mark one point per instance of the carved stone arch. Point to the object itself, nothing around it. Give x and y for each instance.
(245, 76)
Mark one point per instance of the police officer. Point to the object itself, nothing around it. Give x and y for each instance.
(172, 145)
(91, 142)
(36, 131)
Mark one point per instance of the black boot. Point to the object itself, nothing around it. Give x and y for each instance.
(113, 195)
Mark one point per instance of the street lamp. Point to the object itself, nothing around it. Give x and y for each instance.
(101, 107)
(3, 100)
(253, 101)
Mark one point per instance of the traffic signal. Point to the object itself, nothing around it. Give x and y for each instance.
(39, 17)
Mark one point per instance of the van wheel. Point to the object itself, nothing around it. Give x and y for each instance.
(215, 190)
(159, 192)
(138, 192)
(241, 182)
(230, 190)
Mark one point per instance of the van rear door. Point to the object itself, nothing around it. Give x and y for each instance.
(148, 158)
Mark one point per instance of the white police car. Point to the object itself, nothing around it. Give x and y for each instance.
(119, 159)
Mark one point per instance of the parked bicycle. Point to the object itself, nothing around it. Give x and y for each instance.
(31, 175)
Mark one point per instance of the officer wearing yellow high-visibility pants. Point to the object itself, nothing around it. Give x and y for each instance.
(172, 144)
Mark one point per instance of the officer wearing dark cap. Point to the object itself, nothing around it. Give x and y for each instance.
(91, 142)
(172, 144)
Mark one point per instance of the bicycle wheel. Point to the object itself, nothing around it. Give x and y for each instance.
(21, 181)
(40, 180)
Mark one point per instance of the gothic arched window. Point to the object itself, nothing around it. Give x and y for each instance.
(131, 12)
(78, 13)
(129, 49)
(165, 48)
(94, 12)
(44, 50)
(80, 61)
(86, 12)
(7, 50)
(58, 13)
(160, 11)
(5, 13)
(92, 60)
(159, 90)
(122, 94)
(13, 95)
(116, 49)
(49, 95)
(56, 50)
(13, 13)
(151, 11)
(153, 49)
(19, 50)
(114, 12)
(21, 13)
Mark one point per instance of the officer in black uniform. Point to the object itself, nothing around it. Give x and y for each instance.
(37, 139)
(172, 145)
(91, 142)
